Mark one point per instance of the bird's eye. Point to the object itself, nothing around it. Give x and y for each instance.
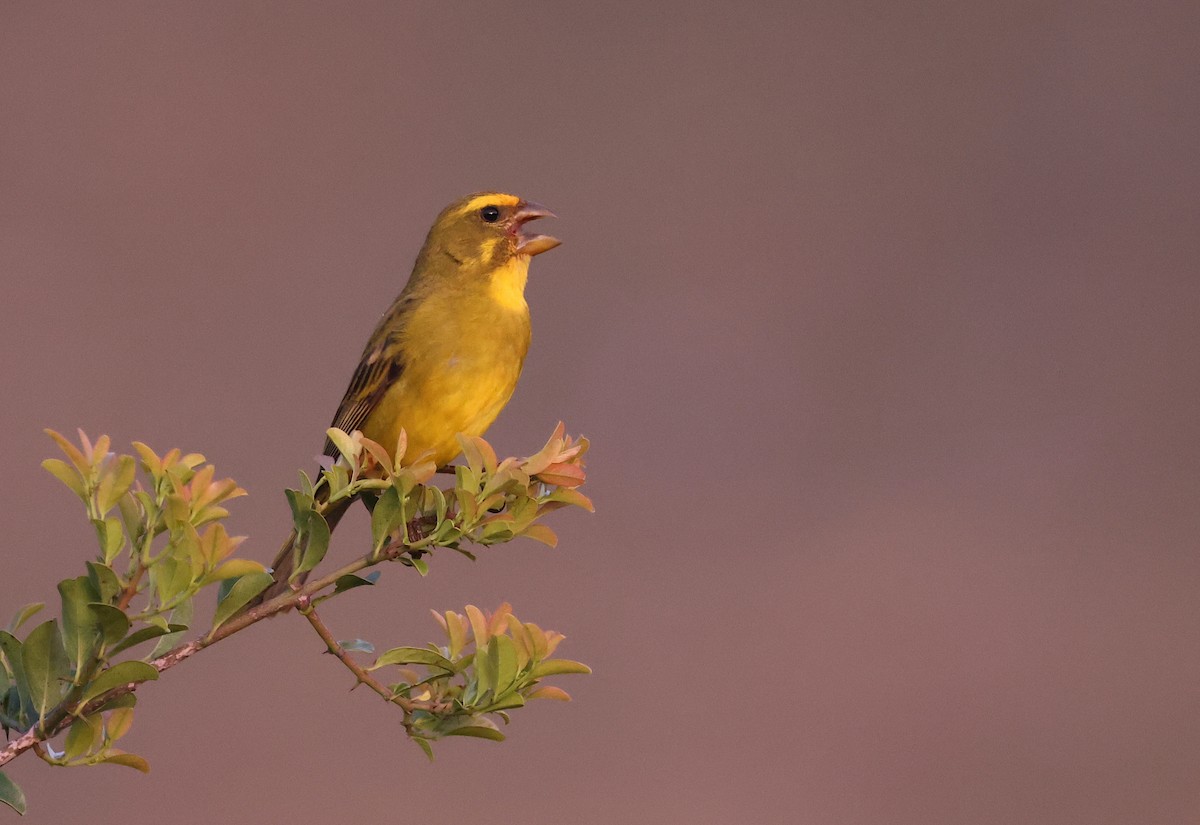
(490, 214)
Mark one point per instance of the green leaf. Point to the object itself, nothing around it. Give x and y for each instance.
(246, 588)
(47, 668)
(357, 646)
(224, 587)
(413, 656)
(385, 518)
(456, 633)
(232, 569)
(119, 723)
(477, 732)
(163, 574)
(11, 795)
(145, 635)
(11, 647)
(104, 580)
(300, 504)
(344, 443)
(506, 667)
(511, 700)
(131, 511)
(113, 622)
(351, 581)
(67, 474)
(420, 565)
(80, 625)
(569, 496)
(181, 618)
(129, 760)
(316, 543)
(425, 746)
(115, 483)
(111, 536)
(119, 674)
(82, 737)
(125, 700)
(439, 504)
(478, 727)
(553, 667)
(23, 615)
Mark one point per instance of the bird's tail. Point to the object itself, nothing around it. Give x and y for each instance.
(285, 560)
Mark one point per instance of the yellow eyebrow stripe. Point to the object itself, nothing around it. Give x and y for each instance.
(489, 198)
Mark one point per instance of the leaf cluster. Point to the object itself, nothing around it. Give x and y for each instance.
(491, 502)
(157, 521)
(489, 664)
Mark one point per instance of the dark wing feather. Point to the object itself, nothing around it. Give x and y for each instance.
(379, 367)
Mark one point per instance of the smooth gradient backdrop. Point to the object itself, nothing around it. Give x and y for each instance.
(882, 318)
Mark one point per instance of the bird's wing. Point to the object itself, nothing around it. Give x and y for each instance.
(380, 365)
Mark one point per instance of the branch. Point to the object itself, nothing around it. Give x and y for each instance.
(58, 718)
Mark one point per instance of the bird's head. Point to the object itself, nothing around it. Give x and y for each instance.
(488, 229)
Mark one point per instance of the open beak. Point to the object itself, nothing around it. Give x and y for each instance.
(530, 243)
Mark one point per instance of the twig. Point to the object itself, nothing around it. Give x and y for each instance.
(309, 612)
(132, 588)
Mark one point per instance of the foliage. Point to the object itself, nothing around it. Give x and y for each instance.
(161, 541)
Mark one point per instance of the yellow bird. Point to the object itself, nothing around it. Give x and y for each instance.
(446, 356)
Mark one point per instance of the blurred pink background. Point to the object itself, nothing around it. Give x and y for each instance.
(882, 319)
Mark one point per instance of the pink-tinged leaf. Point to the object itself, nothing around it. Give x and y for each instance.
(487, 453)
(150, 459)
(499, 619)
(521, 641)
(200, 484)
(86, 443)
(129, 760)
(479, 627)
(568, 453)
(563, 475)
(71, 451)
(550, 692)
(192, 460)
(401, 447)
(537, 638)
(553, 637)
(376, 451)
(542, 533)
(470, 452)
(537, 462)
(100, 450)
(440, 619)
(423, 470)
(546, 456)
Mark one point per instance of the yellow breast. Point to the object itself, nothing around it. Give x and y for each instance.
(463, 352)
